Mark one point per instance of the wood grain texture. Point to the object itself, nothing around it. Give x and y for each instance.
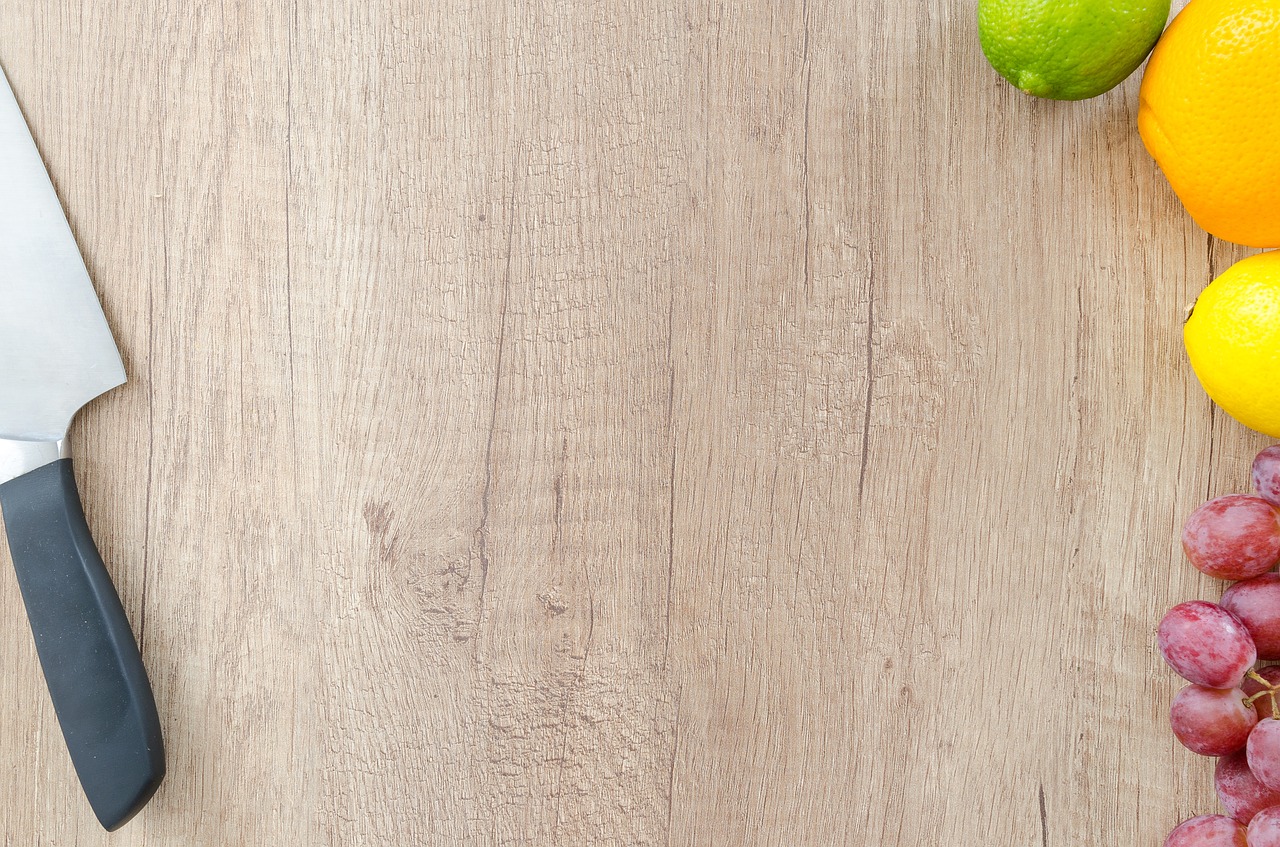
(622, 423)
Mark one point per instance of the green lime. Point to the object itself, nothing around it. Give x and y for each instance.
(1069, 49)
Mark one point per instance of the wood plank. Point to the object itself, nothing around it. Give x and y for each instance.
(622, 424)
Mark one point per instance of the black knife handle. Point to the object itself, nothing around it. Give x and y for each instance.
(95, 675)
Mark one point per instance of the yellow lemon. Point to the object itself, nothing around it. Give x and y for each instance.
(1233, 340)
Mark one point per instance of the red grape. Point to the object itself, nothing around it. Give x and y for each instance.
(1256, 602)
(1211, 721)
(1264, 753)
(1250, 686)
(1264, 831)
(1239, 790)
(1207, 831)
(1233, 537)
(1266, 475)
(1206, 644)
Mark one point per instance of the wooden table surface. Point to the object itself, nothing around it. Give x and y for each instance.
(622, 423)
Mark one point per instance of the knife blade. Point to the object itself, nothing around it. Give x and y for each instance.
(56, 355)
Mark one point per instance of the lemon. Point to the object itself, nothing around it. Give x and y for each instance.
(1233, 340)
(1069, 49)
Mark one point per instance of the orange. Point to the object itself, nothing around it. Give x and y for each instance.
(1210, 116)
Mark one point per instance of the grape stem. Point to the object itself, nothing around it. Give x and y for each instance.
(1268, 690)
(1249, 701)
(1261, 680)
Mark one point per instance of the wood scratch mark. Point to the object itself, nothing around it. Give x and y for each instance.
(808, 205)
(485, 496)
(1213, 427)
(866, 414)
(1044, 820)
(557, 518)
(671, 773)
(151, 404)
(288, 243)
(671, 476)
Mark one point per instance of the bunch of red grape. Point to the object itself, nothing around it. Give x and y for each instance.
(1230, 708)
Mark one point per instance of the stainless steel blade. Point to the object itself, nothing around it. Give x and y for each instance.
(56, 350)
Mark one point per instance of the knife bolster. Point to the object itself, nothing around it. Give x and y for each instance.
(19, 458)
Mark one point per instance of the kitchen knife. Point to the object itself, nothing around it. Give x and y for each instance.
(57, 354)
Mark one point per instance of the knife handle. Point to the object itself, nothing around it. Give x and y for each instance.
(91, 663)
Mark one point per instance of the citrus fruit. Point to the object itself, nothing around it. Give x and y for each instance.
(1068, 49)
(1233, 340)
(1210, 116)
